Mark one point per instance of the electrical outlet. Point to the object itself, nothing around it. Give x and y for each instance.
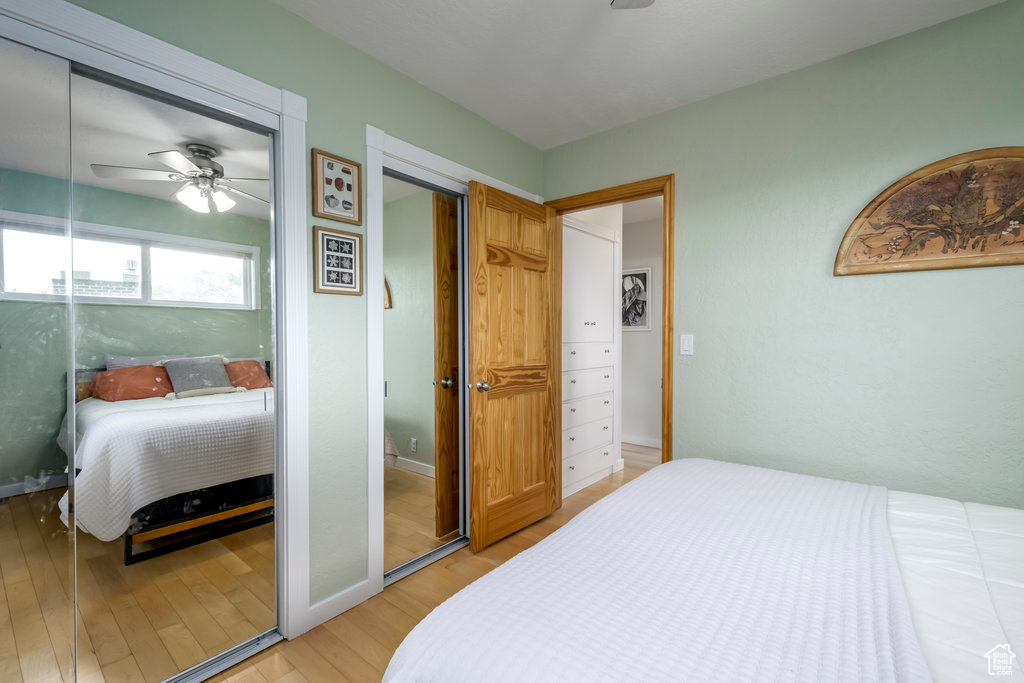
(412, 445)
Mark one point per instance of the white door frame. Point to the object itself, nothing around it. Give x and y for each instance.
(81, 36)
(383, 150)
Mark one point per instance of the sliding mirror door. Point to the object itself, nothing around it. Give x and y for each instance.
(36, 549)
(173, 371)
(422, 488)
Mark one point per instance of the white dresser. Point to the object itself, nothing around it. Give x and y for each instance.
(591, 347)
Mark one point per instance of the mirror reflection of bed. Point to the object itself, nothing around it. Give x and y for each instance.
(421, 452)
(137, 364)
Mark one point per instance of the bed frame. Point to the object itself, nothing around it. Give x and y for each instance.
(193, 517)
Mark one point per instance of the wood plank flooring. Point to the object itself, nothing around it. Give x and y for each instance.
(408, 516)
(356, 646)
(150, 620)
(144, 622)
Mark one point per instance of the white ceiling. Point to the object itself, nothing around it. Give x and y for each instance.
(642, 210)
(395, 189)
(110, 126)
(553, 71)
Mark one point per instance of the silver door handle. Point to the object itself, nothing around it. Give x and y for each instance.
(447, 383)
(483, 386)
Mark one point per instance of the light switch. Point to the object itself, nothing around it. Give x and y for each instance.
(686, 345)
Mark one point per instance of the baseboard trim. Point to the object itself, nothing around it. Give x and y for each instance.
(54, 481)
(415, 466)
(641, 440)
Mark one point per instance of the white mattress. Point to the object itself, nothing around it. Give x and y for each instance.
(963, 570)
(698, 570)
(133, 453)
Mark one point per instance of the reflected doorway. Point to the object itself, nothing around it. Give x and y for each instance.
(423, 502)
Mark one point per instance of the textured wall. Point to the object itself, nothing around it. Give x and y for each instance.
(911, 380)
(33, 336)
(641, 350)
(346, 89)
(409, 325)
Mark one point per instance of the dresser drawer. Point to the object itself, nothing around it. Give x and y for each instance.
(580, 383)
(580, 356)
(584, 410)
(585, 437)
(585, 464)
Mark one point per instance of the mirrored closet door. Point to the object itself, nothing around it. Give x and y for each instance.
(423, 502)
(37, 618)
(137, 351)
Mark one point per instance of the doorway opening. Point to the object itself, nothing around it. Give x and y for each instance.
(639, 297)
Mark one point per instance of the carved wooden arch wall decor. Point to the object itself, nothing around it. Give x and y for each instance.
(961, 212)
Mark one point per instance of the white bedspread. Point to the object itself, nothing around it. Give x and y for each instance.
(963, 569)
(133, 453)
(698, 570)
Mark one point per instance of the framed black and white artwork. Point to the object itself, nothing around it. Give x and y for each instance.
(339, 261)
(635, 315)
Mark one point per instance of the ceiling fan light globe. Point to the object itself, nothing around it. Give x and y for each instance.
(222, 201)
(193, 198)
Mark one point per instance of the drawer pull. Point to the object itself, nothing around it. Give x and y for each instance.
(572, 467)
(573, 410)
(572, 353)
(572, 438)
(607, 376)
(607, 350)
(605, 453)
(605, 428)
(572, 381)
(607, 402)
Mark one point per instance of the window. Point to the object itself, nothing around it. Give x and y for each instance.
(121, 265)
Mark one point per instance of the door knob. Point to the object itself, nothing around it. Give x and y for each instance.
(483, 386)
(447, 383)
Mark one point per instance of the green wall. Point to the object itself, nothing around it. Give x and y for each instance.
(346, 89)
(409, 324)
(34, 352)
(910, 380)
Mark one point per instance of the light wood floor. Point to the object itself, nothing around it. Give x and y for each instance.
(408, 516)
(357, 645)
(150, 620)
(144, 622)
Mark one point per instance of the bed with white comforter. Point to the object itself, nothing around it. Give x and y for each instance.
(709, 571)
(133, 453)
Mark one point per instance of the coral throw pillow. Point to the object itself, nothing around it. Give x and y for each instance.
(126, 384)
(248, 374)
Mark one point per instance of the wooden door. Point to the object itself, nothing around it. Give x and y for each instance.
(514, 337)
(446, 364)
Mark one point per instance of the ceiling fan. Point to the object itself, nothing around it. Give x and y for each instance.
(204, 187)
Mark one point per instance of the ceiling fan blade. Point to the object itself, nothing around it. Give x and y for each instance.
(244, 194)
(235, 180)
(129, 173)
(172, 158)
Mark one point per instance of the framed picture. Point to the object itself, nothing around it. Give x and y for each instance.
(962, 212)
(337, 188)
(635, 315)
(339, 261)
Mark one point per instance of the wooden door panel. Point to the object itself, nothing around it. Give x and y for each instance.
(515, 336)
(446, 364)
